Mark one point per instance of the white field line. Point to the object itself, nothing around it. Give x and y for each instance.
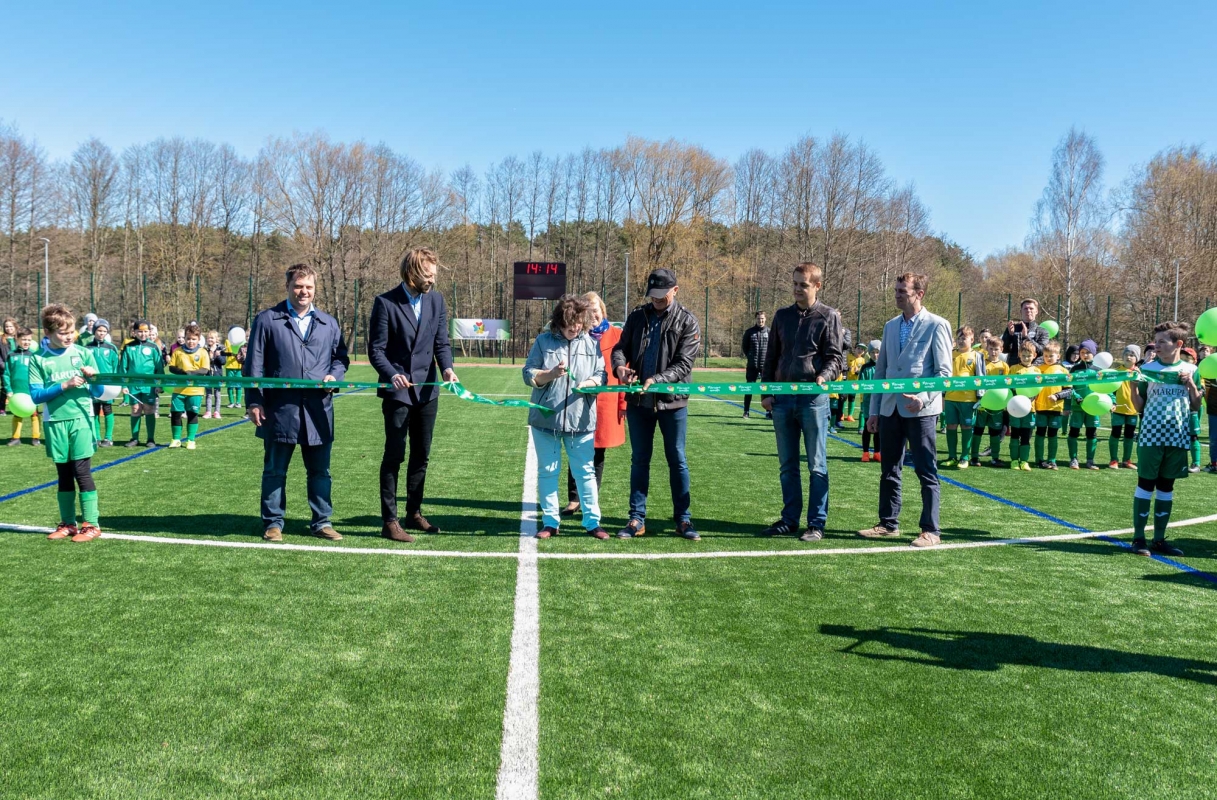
(518, 758)
(526, 537)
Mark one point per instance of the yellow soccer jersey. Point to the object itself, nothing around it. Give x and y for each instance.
(190, 362)
(230, 356)
(1043, 400)
(967, 364)
(855, 366)
(1124, 396)
(997, 367)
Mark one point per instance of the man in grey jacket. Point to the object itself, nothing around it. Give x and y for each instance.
(916, 344)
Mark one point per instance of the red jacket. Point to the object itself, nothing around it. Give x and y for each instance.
(610, 406)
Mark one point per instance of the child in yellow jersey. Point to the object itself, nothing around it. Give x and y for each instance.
(960, 406)
(1050, 408)
(189, 359)
(1124, 414)
(1020, 428)
(854, 364)
(995, 421)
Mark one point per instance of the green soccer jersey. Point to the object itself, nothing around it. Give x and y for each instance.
(1165, 422)
(142, 358)
(17, 372)
(105, 355)
(50, 367)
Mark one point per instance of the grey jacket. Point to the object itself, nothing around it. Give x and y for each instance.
(927, 354)
(573, 413)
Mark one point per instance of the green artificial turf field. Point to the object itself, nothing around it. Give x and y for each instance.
(1059, 668)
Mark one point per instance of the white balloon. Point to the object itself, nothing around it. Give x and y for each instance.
(110, 392)
(236, 336)
(1019, 406)
(1102, 361)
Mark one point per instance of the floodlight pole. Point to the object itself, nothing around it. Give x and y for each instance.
(46, 266)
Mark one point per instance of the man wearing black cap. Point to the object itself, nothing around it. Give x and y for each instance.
(658, 345)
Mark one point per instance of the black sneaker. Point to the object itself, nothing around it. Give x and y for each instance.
(1162, 547)
(812, 535)
(1139, 547)
(779, 528)
(632, 529)
(687, 531)
(1211, 468)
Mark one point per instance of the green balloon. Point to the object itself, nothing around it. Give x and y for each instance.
(1052, 328)
(995, 399)
(1028, 391)
(1097, 404)
(1206, 327)
(1104, 388)
(21, 405)
(1208, 368)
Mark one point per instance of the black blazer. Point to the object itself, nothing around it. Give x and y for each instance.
(398, 346)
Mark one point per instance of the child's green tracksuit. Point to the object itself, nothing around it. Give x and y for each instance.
(142, 358)
(68, 423)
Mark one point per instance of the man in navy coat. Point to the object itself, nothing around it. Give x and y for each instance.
(295, 339)
(408, 336)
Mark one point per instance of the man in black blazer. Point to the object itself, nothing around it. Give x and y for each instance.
(409, 337)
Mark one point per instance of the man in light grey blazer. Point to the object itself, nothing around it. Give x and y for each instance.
(916, 344)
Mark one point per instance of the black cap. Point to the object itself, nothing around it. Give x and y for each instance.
(660, 282)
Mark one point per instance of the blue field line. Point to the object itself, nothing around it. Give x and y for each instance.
(145, 452)
(1036, 512)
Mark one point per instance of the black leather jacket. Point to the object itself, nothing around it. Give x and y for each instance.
(677, 351)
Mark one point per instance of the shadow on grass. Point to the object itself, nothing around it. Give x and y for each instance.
(977, 650)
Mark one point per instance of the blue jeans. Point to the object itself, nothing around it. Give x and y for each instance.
(580, 450)
(805, 418)
(672, 425)
(275, 462)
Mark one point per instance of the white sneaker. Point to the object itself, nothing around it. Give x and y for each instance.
(190, 445)
(175, 443)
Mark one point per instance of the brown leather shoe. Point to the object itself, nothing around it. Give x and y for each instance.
(927, 539)
(547, 532)
(417, 522)
(328, 534)
(272, 535)
(393, 530)
(879, 532)
(598, 532)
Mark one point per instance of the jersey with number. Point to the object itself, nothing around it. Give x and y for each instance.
(190, 362)
(1043, 400)
(968, 364)
(141, 358)
(49, 367)
(1166, 418)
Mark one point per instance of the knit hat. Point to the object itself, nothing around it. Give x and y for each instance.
(90, 317)
(101, 323)
(874, 345)
(1090, 345)
(1132, 348)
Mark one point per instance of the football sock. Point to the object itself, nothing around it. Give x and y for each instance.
(1024, 452)
(88, 506)
(1162, 514)
(1128, 445)
(1039, 449)
(1073, 448)
(952, 443)
(1092, 448)
(151, 427)
(192, 429)
(966, 442)
(1054, 444)
(67, 507)
(1113, 448)
(109, 426)
(136, 424)
(1140, 512)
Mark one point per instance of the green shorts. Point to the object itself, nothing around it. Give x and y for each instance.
(143, 398)
(69, 439)
(1161, 462)
(1121, 420)
(993, 420)
(960, 412)
(186, 402)
(1023, 422)
(1049, 419)
(1080, 419)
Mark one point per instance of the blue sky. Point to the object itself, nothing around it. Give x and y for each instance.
(966, 100)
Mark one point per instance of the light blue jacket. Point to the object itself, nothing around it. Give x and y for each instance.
(927, 354)
(573, 413)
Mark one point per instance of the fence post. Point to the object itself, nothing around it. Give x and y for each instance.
(144, 288)
(355, 323)
(1107, 327)
(198, 297)
(705, 347)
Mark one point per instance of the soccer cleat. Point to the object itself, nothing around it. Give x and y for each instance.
(1128, 465)
(105, 443)
(997, 462)
(865, 457)
(1050, 465)
(1091, 465)
(963, 464)
(1114, 465)
(632, 529)
(1194, 468)
(1162, 548)
(1016, 465)
(62, 531)
(190, 444)
(687, 531)
(151, 443)
(779, 528)
(1073, 464)
(14, 442)
(132, 443)
(1139, 547)
(1026, 466)
(175, 443)
(950, 462)
(87, 533)
(877, 458)
(36, 442)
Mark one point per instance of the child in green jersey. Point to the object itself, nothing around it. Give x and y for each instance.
(106, 356)
(17, 381)
(1162, 449)
(58, 375)
(142, 357)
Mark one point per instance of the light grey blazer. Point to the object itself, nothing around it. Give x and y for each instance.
(927, 354)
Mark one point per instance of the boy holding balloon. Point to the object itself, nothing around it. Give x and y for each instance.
(1124, 414)
(17, 381)
(1162, 451)
(960, 406)
(1022, 425)
(1050, 408)
(992, 413)
(234, 348)
(58, 374)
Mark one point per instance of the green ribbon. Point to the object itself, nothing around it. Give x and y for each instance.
(169, 381)
(894, 386)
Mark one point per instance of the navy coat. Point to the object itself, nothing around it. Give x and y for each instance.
(397, 346)
(295, 416)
